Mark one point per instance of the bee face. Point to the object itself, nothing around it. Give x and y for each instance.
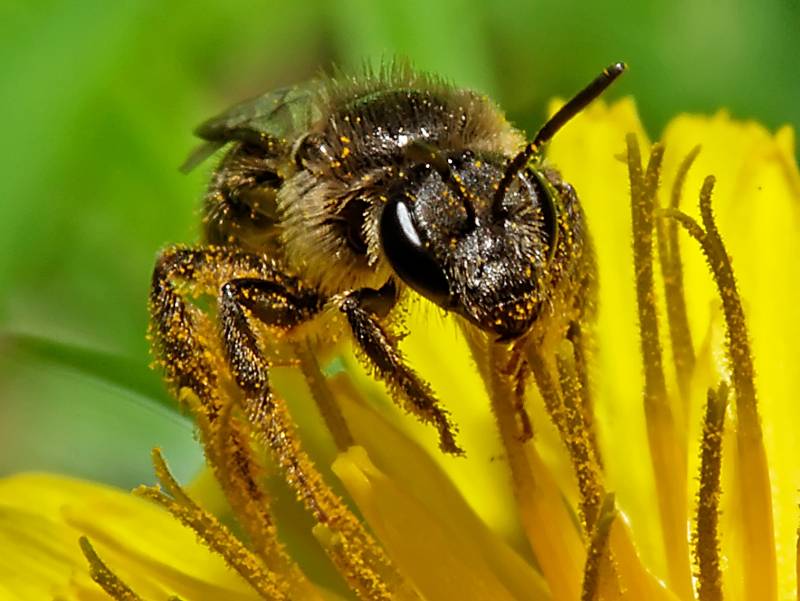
(448, 234)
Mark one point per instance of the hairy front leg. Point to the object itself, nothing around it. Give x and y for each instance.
(240, 302)
(363, 309)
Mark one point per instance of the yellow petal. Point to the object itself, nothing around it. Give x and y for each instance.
(444, 563)
(42, 517)
(414, 483)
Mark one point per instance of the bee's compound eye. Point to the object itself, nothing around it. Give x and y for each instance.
(407, 254)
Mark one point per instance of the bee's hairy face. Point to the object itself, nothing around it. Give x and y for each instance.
(453, 239)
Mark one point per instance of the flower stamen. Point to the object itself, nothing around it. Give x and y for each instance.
(666, 452)
(580, 345)
(548, 524)
(758, 544)
(672, 275)
(598, 551)
(360, 560)
(706, 536)
(565, 405)
(577, 440)
(354, 552)
(226, 444)
(104, 577)
(214, 534)
(323, 397)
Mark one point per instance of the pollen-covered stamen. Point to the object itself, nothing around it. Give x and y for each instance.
(564, 405)
(236, 469)
(214, 534)
(518, 370)
(667, 453)
(706, 535)
(578, 439)
(323, 397)
(738, 343)
(543, 375)
(354, 552)
(104, 576)
(242, 473)
(549, 526)
(563, 401)
(758, 542)
(578, 339)
(672, 276)
(350, 548)
(598, 554)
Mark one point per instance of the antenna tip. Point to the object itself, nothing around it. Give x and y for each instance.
(617, 68)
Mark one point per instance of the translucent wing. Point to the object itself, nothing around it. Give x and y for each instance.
(274, 114)
(274, 117)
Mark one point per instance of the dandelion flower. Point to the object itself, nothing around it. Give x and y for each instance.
(663, 470)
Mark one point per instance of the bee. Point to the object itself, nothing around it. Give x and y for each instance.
(342, 196)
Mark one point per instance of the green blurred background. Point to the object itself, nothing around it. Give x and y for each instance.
(97, 103)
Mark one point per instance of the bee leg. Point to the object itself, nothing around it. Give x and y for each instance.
(181, 330)
(241, 300)
(175, 325)
(380, 349)
(277, 304)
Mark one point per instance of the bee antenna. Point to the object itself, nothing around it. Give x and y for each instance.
(457, 187)
(556, 122)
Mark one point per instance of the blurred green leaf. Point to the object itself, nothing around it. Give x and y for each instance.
(114, 370)
(87, 413)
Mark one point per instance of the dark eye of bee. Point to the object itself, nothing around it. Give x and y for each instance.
(407, 253)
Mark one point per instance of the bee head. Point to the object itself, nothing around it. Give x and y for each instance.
(472, 243)
(478, 235)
